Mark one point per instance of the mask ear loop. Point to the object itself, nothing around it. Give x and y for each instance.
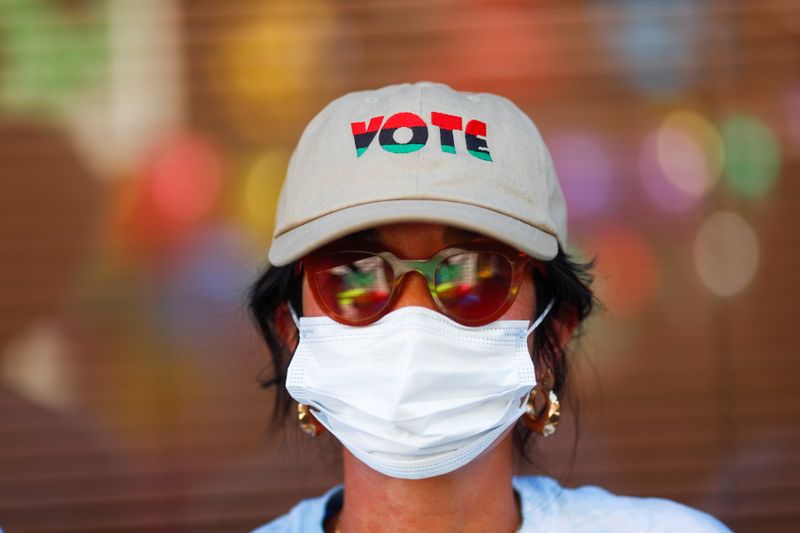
(541, 317)
(305, 413)
(294, 315)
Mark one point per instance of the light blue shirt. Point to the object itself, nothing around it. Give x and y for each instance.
(546, 507)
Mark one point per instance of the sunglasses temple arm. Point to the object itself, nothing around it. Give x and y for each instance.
(541, 317)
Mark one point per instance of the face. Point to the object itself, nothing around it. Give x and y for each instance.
(420, 241)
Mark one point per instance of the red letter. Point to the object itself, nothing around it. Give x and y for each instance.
(363, 135)
(447, 123)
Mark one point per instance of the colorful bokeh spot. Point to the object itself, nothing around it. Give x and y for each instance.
(174, 191)
(186, 178)
(681, 161)
(726, 253)
(690, 152)
(658, 187)
(259, 193)
(492, 49)
(754, 155)
(585, 172)
(51, 51)
(202, 285)
(272, 65)
(658, 46)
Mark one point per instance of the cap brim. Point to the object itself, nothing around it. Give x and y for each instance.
(297, 242)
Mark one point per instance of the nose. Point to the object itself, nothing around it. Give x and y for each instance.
(414, 291)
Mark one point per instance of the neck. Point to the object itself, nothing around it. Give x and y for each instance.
(476, 497)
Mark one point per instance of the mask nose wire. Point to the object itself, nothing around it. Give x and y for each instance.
(541, 317)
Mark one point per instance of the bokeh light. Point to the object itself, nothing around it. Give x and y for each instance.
(690, 152)
(681, 161)
(175, 190)
(271, 67)
(658, 46)
(259, 193)
(754, 155)
(726, 253)
(626, 271)
(201, 288)
(658, 187)
(497, 48)
(585, 173)
(51, 52)
(186, 177)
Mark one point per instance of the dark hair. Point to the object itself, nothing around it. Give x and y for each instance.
(564, 279)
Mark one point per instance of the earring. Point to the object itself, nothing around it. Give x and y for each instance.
(544, 420)
(308, 423)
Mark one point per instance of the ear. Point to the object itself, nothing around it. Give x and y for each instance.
(285, 326)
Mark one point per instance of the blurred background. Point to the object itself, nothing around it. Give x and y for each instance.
(142, 146)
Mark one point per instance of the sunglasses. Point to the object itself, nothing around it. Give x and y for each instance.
(473, 283)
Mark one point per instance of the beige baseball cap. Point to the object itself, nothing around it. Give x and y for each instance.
(420, 152)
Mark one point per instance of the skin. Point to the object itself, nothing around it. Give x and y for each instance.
(458, 501)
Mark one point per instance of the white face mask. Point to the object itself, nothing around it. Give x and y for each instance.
(415, 394)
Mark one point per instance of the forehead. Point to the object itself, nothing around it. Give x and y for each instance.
(413, 239)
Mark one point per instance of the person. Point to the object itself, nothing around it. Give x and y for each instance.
(418, 304)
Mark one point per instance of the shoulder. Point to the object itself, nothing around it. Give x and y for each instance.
(547, 506)
(305, 517)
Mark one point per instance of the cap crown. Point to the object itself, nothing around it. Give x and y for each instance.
(422, 141)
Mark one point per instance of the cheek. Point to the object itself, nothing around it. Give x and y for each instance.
(310, 307)
(522, 308)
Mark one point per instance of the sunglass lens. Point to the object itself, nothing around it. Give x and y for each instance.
(354, 285)
(474, 285)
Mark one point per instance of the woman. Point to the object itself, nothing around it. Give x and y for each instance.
(418, 305)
